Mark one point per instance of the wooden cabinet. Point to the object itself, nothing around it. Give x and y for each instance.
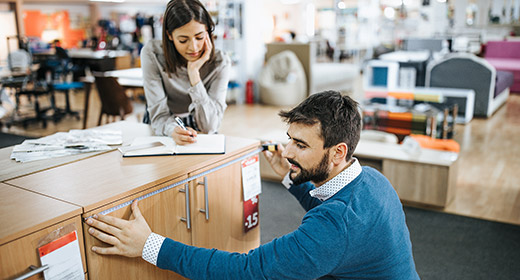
(163, 212)
(108, 181)
(217, 211)
(26, 219)
(428, 177)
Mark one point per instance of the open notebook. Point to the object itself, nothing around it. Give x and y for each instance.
(164, 145)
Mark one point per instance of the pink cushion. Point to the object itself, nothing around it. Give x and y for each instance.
(503, 49)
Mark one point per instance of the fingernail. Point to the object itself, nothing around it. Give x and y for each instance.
(89, 221)
(94, 249)
(95, 216)
(90, 230)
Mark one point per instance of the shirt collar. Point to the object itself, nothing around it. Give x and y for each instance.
(337, 183)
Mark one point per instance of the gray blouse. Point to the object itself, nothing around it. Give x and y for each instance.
(167, 97)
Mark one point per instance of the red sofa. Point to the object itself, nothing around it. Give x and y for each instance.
(505, 56)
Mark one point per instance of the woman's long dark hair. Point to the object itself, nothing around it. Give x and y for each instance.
(178, 13)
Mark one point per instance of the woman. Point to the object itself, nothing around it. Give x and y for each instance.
(184, 75)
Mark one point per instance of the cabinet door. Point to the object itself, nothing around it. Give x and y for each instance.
(218, 221)
(17, 256)
(163, 212)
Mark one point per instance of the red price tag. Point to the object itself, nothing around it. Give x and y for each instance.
(251, 215)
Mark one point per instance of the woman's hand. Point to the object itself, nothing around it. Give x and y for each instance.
(126, 237)
(279, 164)
(194, 66)
(183, 137)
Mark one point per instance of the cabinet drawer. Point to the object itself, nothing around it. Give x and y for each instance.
(163, 209)
(16, 256)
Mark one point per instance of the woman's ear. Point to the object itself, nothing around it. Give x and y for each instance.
(339, 153)
(170, 37)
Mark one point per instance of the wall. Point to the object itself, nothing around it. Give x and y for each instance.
(8, 23)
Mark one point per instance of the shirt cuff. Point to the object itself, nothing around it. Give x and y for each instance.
(152, 247)
(287, 182)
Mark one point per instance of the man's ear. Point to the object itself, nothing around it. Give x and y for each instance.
(339, 153)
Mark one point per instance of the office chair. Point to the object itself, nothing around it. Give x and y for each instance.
(114, 101)
(60, 67)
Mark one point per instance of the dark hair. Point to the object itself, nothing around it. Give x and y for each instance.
(338, 115)
(178, 13)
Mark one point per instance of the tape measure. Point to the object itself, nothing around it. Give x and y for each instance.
(124, 204)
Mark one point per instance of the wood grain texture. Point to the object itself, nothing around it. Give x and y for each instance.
(16, 256)
(421, 183)
(100, 180)
(23, 212)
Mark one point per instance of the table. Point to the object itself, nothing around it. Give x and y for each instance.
(172, 191)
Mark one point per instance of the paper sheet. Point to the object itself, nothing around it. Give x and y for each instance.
(251, 182)
(63, 257)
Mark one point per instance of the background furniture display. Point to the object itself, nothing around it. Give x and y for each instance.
(464, 98)
(433, 123)
(505, 56)
(467, 71)
(282, 80)
(412, 66)
(172, 191)
(381, 74)
(320, 76)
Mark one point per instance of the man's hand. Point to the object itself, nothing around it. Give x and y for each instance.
(183, 137)
(126, 237)
(279, 164)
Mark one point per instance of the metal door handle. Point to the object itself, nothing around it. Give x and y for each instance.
(187, 219)
(34, 270)
(206, 201)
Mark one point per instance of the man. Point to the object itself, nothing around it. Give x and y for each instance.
(354, 228)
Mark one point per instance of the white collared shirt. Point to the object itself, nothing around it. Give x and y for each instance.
(334, 185)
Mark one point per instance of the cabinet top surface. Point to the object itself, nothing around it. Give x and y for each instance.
(22, 212)
(99, 180)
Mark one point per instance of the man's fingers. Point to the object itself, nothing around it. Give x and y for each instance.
(113, 221)
(136, 212)
(102, 226)
(103, 236)
(106, 250)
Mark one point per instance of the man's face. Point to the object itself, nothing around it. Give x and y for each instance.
(309, 160)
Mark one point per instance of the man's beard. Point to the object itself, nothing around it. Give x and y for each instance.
(317, 174)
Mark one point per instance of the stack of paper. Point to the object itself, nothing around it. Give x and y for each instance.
(66, 143)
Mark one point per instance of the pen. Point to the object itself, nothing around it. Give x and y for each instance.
(180, 123)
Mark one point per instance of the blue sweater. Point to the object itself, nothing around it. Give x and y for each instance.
(358, 233)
